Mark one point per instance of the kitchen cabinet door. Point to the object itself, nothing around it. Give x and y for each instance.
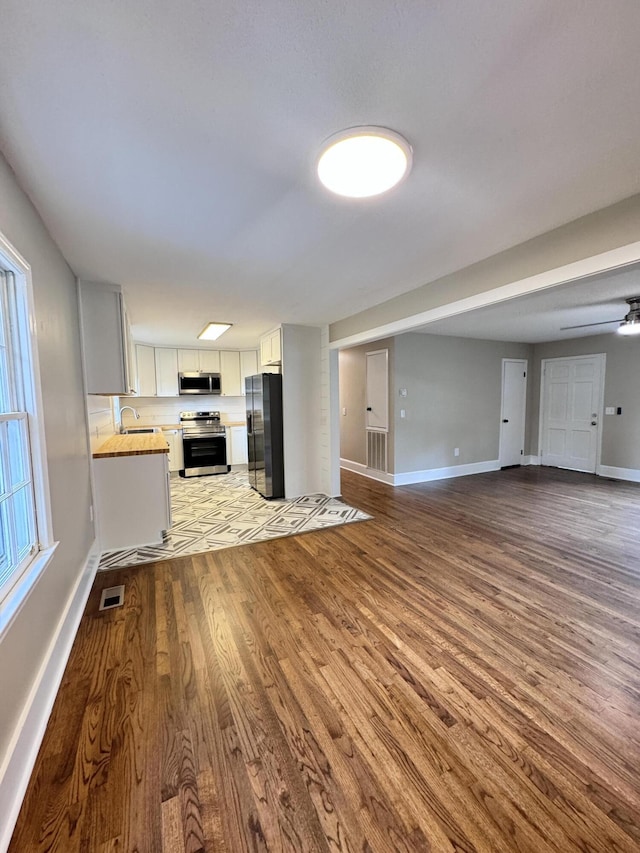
(271, 348)
(166, 372)
(105, 339)
(248, 366)
(176, 455)
(146, 370)
(188, 360)
(210, 361)
(239, 445)
(230, 374)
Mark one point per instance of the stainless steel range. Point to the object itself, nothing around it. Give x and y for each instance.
(205, 444)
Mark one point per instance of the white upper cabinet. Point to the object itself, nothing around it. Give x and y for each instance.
(146, 371)
(210, 361)
(248, 366)
(166, 372)
(194, 360)
(230, 374)
(105, 339)
(188, 360)
(271, 348)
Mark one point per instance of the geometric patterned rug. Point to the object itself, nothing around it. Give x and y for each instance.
(223, 511)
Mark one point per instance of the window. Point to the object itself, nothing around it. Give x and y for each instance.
(25, 521)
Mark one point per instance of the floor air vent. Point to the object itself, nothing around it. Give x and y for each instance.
(113, 596)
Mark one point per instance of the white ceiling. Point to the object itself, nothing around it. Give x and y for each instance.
(171, 147)
(539, 317)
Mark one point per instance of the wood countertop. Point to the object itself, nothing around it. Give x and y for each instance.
(233, 423)
(134, 444)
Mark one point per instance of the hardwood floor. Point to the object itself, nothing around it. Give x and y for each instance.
(461, 673)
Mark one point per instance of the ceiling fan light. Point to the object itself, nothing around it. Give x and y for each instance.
(629, 327)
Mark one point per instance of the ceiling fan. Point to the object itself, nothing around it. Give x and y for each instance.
(629, 325)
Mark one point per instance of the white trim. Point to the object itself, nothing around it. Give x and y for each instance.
(530, 460)
(426, 476)
(603, 367)
(525, 362)
(630, 474)
(23, 749)
(431, 474)
(22, 588)
(610, 260)
(359, 468)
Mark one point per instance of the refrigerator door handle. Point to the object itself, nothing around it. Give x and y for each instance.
(249, 419)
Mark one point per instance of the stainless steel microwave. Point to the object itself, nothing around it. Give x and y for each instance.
(199, 383)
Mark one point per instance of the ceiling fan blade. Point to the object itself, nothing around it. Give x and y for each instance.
(584, 325)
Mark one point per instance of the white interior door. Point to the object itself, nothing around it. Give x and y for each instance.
(377, 399)
(571, 408)
(513, 413)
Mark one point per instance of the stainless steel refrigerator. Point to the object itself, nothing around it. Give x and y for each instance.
(264, 434)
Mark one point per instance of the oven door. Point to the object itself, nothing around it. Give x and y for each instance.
(205, 455)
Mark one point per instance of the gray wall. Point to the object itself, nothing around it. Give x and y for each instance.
(25, 643)
(352, 398)
(610, 228)
(621, 434)
(454, 393)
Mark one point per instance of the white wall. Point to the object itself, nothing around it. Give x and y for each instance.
(26, 642)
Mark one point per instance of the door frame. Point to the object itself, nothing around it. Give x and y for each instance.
(384, 351)
(524, 361)
(603, 364)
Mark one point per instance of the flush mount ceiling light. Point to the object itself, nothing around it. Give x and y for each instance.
(212, 331)
(364, 161)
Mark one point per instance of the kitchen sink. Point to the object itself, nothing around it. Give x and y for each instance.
(130, 430)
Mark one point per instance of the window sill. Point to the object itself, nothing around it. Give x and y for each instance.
(11, 606)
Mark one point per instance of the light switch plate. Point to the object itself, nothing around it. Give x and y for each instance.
(610, 410)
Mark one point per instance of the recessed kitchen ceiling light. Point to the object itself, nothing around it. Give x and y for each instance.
(212, 331)
(364, 161)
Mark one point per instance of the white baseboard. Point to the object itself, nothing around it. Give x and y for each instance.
(445, 473)
(25, 743)
(426, 476)
(630, 474)
(359, 468)
(530, 460)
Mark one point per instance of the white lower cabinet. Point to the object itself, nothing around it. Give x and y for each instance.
(176, 454)
(133, 500)
(237, 445)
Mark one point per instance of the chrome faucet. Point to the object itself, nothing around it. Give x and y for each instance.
(135, 413)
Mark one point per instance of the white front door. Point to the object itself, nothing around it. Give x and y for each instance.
(377, 399)
(514, 406)
(571, 404)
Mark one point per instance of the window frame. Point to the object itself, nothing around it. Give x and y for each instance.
(27, 573)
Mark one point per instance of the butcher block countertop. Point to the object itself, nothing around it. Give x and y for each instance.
(132, 445)
(233, 423)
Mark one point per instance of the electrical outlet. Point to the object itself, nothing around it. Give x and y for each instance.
(344, 411)
(403, 413)
(456, 451)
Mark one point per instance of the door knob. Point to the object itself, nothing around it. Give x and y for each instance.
(594, 423)
(368, 408)
(505, 420)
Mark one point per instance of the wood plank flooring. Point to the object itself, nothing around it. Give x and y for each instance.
(462, 673)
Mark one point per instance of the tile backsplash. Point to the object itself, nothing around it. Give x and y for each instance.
(166, 410)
